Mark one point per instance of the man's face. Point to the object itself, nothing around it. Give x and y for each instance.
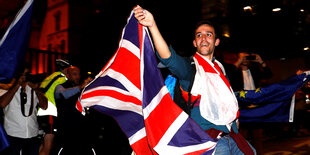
(205, 40)
(74, 75)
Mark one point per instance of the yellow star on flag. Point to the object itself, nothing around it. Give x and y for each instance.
(258, 90)
(242, 94)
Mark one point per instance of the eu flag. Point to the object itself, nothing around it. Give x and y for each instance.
(272, 103)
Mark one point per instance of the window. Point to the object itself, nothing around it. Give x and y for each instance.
(57, 20)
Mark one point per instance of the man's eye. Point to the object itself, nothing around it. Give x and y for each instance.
(209, 35)
(198, 35)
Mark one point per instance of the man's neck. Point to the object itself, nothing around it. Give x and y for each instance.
(243, 67)
(209, 57)
(24, 86)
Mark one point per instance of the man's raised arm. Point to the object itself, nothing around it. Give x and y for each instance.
(145, 18)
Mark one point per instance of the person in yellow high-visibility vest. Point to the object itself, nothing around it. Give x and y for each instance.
(47, 118)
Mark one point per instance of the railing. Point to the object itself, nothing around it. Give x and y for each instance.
(43, 62)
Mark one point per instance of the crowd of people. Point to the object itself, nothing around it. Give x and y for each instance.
(30, 106)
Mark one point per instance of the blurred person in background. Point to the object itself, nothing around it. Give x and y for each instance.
(71, 136)
(47, 118)
(249, 72)
(302, 109)
(20, 114)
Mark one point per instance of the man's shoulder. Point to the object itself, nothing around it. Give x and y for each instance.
(54, 75)
(48, 79)
(61, 80)
(58, 87)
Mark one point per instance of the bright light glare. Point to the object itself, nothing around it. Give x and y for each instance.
(247, 8)
(306, 48)
(276, 9)
(226, 35)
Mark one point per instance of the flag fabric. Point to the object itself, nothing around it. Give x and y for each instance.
(14, 43)
(272, 103)
(130, 88)
(218, 103)
(4, 142)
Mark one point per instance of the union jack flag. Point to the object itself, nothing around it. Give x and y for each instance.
(130, 88)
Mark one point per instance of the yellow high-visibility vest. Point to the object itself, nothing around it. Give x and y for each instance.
(51, 108)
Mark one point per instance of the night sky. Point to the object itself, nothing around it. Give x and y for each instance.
(273, 35)
(104, 29)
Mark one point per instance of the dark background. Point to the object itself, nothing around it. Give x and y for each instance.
(273, 35)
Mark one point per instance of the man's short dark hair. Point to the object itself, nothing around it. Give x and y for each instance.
(206, 22)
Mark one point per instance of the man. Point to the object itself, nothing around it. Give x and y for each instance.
(47, 118)
(72, 125)
(248, 72)
(20, 115)
(216, 108)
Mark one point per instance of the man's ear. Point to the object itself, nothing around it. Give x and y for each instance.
(194, 43)
(217, 41)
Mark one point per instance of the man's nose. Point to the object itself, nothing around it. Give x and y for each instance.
(204, 37)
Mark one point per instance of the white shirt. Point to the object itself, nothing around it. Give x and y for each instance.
(15, 123)
(248, 82)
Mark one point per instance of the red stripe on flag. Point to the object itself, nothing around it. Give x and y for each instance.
(209, 69)
(141, 43)
(79, 106)
(129, 65)
(222, 75)
(161, 118)
(205, 65)
(113, 94)
(142, 147)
